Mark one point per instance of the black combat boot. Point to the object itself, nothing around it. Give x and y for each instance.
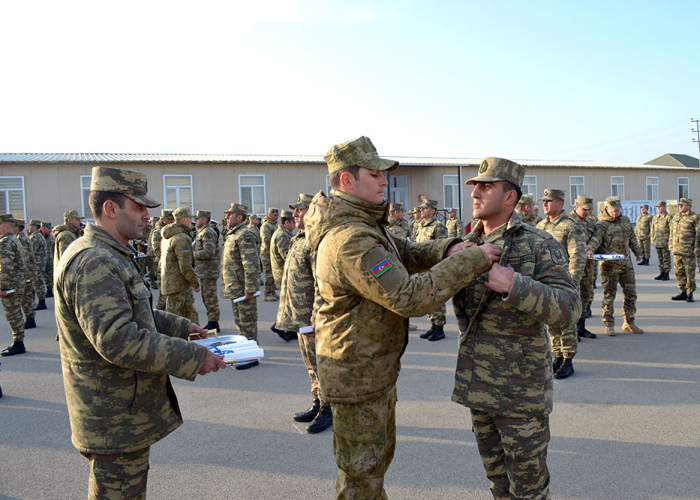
(438, 334)
(556, 364)
(581, 329)
(589, 313)
(429, 332)
(660, 276)
(283, 334)
(30, 323)
(322, 421)
(212, 325)
(665, 278)
(49, 293)
(15, 348)
(245, 366)
(646, 261)
(565, 370)
(690, 298)
(310, 414)
(680, 296)
(41, 305)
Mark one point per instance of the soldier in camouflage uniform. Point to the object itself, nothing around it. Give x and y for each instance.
(166, 218)
(660, 233)
(151, 254)
(31, 270)
(12, 282)
(177, 276)
(642, 231)
(116, 352)
(684, 243)
(455, 226)
(430, 228)
(65, 234)
(279, 245)
(526, 210)
(614, 234)
(581, 214)
(370, 283)
(38, 244)
(254, 228)
(571, 236)
(141, 245)
(504, 369)
(396, 223)
(269, 226)
(50, 248)
(207, 257)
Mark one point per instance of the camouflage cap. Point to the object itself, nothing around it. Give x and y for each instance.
(660, 203)
(395, 206)
(499, 169)
(527, 198)
(270, 211)
(133, 185)
(286, 214)
(416, 210)
(430, 204)
(685, 201)
(166, 214)
(71, 214)
(452, 211)
(154, 219)
(46, 224)
(645, 206)
(235, 208)
(20, 222)
(203, 213)
(182, 213)
(7, 218)
(254, 216)
(553, 194)
(360, 152)
(613, 203)
(35, 222)
(303, 201)
(584, 202)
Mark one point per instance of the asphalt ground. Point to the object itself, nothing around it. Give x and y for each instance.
(625, 426)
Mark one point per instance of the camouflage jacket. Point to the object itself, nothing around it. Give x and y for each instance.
(207, 254)
(256, 233)
(684, 238)
(369, 287)
(65, 234)
(50, 247)
(660, 230)
(504, 366)
(12, 266)
(572, 237)
(38, 243)
(241, 264)
(431, 229)
(643, 227)
(299, 291)
(398, 227)
(455, 228)
(267, 229)
(176, 271)
(28, 255)
(142, 244)
(529, 218)
(116, 351)
(614, 236)
(279, 246)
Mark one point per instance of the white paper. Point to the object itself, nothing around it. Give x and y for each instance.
(607, 256)
(236, 349)
(241, 299)
(10, 291)
(306, 329)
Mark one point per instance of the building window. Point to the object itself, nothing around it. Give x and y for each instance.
(577, 186)
(85, 196)
(12, 197)
(251, 191)
(617, 186)
(683, 187)
(530, 185)
(450, 186)
(652, 188)
(177, 191)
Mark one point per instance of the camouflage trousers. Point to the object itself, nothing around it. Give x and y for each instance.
(182, 304)
(210, 298)
(245, 314)
(685, 272)
(307, 346)
(364, 440)
(645, 243)
(629, 299)
(514, 454)
(269, 278)
(28, 301)
(119, 476)
(48, 276)
(39, 286)
(586, 286)
(564, 342)
(438, 317)
(12, 305)
(664, 258)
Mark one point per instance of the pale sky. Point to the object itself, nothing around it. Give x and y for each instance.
(595, 80)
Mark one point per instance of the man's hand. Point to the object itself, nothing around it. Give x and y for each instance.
(639, 258)
(500, 278)
(196, 290)
(212, 363)
(198, 331)
(590, 253)
(493, 252)
(458, 246)
(249, 297)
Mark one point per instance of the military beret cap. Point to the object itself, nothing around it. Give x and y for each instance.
(182, 213)
(527, 198)
(660, 203)
(499, 169)
(685, 201)
(584, 202)
(286, 214)
(270, 211)
(235, 208)
(7, 218)
(360, 152)
(645, 206)
(35, 222)
(552, 194)
(395, 206)
(133, 185)
(303, 201)
(203, 213)
(46, 224)
(71, 214)
(254, 216)
(429, 204)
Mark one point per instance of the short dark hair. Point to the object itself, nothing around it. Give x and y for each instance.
(98, 198)
(287, 219)
(509, 186)
(335, 176)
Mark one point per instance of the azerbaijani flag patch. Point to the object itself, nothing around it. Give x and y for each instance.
(381, 268)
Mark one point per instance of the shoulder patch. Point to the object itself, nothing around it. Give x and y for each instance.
(557, 254)
(381, 268)
(376, 261)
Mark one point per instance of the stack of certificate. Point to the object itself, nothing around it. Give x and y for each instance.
(236, 349)
(608, 256)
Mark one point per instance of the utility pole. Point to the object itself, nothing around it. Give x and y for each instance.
(697, 131)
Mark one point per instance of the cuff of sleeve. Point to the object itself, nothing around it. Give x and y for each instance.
(448, 242)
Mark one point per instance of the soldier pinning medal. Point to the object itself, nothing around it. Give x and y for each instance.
(660, 234)
(684, 243)
(207, 256)
(642, 231)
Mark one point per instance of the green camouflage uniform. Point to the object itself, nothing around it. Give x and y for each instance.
(241, 275)
(428, 230)
(142, 246)
(256, 232)
(369, 287)
(588, 277)
(642, 231)
(65, 234)
(38, 244)
(50, 248)
(279, 246)
(207, 256)
(177, 276)
(455, 228)
(504, 369)
(529, 218)
(13, 277)
(156, 239)
(660, 233)
(572, 238)
(266, 231)
(399, 227)
(31, 272)
(683, 243)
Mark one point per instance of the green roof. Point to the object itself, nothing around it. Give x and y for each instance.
(675, 160)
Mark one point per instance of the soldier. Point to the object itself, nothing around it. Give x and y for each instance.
(241, 274)
(571, 235)
(166, 217)
(683, 243)
(269, 226)
(396, 223)
(581, 213)
(116, 351)
(30, 275)
(660, 232)
(207, 256)
(416, 223)
(141, 245)
(65, 234)
(12, 282)
(504, 369)
(50, 248)
(455, 226)
(151, 254)
(429, 228)
(279, 245)
(38, 246)
(254, 227)
(177, 277)
(526, 210)
(614, 234)
(642, 231)
(366, 296)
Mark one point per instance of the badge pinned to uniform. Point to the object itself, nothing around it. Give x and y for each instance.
(381, 268)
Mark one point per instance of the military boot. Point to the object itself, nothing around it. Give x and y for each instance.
(49, 293)
(41, 305)
(660, 276)
(665, 278)
(690, 298)
(646, 261)
(581, 329)
(322, 421)
(429, 332)
(565, 370)
(556, 364)
(30, 323)
(589, 313)
(15, 348)
(629, 326)
(680, 296)
(438, 334)
(610, 329)
(212, 325)
(310, 414)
